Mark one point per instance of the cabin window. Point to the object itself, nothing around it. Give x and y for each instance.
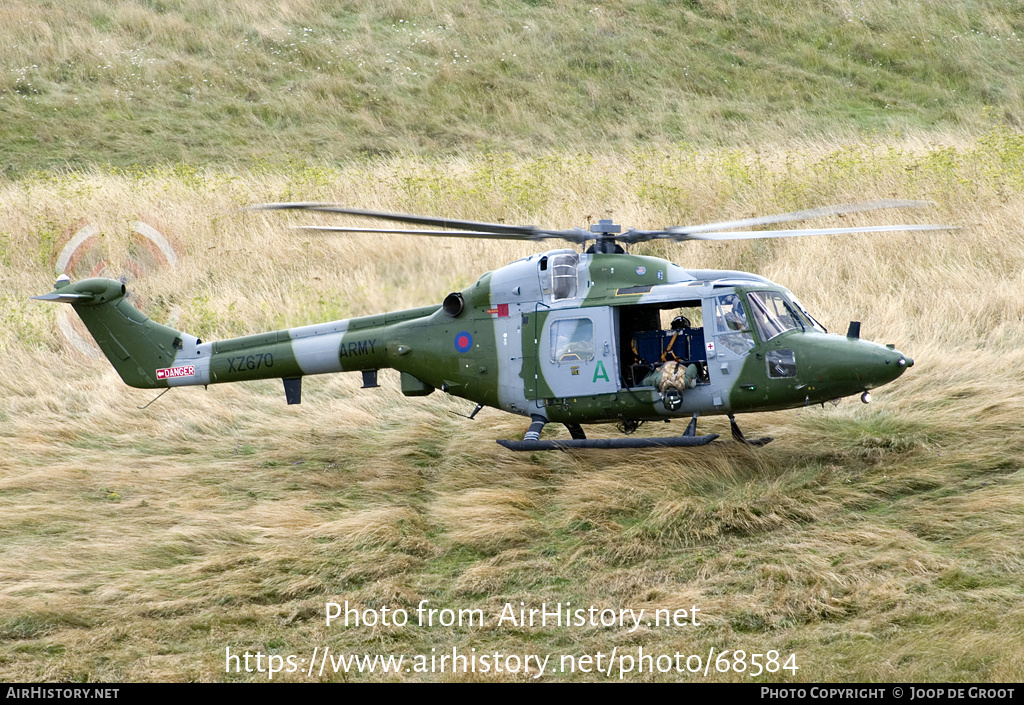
(572, 340)
(564, 276)
(772, 314)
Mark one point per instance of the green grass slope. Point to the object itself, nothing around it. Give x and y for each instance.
(237, 82)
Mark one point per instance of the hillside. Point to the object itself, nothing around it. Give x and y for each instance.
(239, 83)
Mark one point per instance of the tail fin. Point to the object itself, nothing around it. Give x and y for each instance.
(136, 346)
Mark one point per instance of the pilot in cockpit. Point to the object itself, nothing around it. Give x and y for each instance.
(730, 314)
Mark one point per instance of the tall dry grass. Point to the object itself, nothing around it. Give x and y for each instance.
(878, 542)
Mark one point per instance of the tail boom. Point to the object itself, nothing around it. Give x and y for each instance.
(149, 355)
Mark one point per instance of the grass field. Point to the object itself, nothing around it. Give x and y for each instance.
(877, 542)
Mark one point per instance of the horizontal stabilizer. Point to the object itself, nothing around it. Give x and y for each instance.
(65, 298)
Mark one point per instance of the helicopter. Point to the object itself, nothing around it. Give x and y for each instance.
(566, 336)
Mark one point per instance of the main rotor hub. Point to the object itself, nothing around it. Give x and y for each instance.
(606, 227)
(605, 243)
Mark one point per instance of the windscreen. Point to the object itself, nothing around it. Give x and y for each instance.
(773, 314)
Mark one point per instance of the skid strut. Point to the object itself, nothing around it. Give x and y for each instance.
(737, 435)
(537, 425)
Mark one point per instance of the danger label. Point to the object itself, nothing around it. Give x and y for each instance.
(171, 372)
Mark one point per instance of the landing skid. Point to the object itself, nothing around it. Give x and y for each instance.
(689, 439)
(611, 443)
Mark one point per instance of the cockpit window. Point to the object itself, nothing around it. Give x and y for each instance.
(729, 314)
(731, 324)
(806, 316)
(781, 363)
(773, 315)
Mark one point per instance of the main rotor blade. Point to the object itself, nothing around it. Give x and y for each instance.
(710, 231)
(800, 215)
(758, 234)
(468, 228)
(435, 233)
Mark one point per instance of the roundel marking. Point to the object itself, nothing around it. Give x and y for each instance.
(463, 342)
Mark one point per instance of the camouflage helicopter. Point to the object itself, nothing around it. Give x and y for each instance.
(565, 336)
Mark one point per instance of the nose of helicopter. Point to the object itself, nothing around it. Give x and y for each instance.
(839, 366)
(878, 365)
